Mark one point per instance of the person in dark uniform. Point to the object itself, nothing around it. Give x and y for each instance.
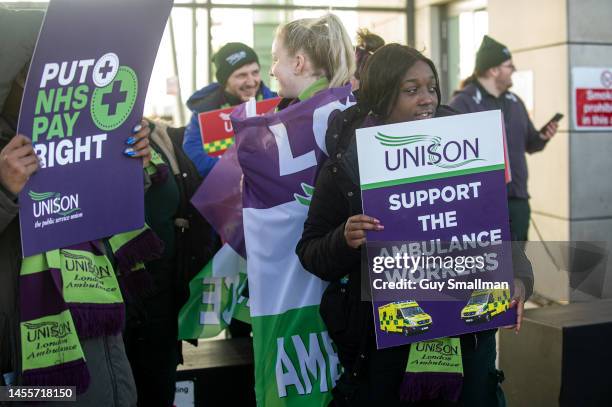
(488, 88)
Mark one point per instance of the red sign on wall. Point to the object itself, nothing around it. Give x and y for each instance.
(216, 127)
(592, 98)
(594, 107)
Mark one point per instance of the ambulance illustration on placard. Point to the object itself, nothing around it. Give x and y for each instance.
(404, 317)
(485, 304)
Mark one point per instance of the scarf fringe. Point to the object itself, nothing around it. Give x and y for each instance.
(144, 247)
(95, 320)
(67, 374)
(431, 386)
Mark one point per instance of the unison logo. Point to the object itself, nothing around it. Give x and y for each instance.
(420, 150)
(438, 346)
(53, 203)
(76, 263)
(47, 330)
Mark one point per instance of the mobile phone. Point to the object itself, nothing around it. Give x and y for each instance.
(556, 118)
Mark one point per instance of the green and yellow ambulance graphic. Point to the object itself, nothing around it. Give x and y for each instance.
(405, 317)
(485, 304)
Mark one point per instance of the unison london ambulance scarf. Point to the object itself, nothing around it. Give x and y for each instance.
(434, 371)
(71, 294)
(157, 169)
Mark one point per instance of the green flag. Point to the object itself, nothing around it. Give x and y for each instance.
(215, 297)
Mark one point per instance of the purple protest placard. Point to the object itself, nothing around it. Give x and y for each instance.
(85, 92)
(442, 265)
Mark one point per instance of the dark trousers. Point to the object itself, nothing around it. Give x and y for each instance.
(153, 352)
(519, 212)
(153, 349)
(480, 377)
(379, 383)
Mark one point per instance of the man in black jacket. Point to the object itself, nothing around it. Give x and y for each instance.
(489, 89)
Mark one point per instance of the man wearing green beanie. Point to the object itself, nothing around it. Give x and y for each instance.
(238, 80)
(488, 89)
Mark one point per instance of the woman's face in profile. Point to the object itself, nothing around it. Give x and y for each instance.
(417, 98)
(283, 69)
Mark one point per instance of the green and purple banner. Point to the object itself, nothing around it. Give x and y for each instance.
(442, 265)
(85, 92)
(295, 361)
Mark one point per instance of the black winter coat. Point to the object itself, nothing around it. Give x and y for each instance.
(196, 242)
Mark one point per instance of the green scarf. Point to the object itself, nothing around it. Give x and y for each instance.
(157, 169)
(71, 294)
(315, 87)
(434, 371)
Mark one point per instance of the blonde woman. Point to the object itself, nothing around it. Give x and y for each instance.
(313, 61)
(310, 55)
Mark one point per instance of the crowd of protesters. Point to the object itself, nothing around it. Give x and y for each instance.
(134, 360)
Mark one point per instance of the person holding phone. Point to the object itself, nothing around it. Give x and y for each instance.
(488, 88)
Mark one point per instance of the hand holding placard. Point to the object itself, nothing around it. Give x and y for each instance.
(17, 162)
(139, 143)
(355, 229)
